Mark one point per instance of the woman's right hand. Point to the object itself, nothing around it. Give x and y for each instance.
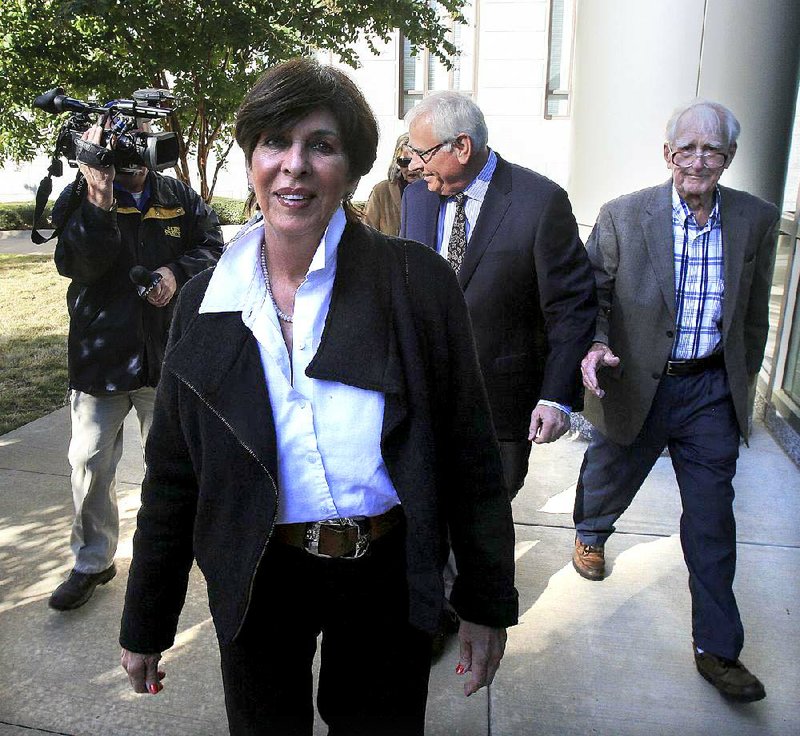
(143, 671)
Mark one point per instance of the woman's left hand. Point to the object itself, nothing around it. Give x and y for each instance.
(143, 671)
(482, 649)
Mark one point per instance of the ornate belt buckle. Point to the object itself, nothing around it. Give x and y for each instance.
(339, 525)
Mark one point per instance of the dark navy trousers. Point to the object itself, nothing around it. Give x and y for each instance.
(694, 417)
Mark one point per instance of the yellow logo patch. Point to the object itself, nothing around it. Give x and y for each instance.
(173, 231)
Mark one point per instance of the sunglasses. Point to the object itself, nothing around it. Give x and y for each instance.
(403, 162)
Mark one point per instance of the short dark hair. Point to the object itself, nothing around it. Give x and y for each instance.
(288, 92)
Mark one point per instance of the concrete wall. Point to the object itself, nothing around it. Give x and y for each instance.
(635, 62)
(511, 67)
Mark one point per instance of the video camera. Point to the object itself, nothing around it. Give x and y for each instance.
(121, 144)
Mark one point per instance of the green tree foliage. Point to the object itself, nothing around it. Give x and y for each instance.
(208, 52)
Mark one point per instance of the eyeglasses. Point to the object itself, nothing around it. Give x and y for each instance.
(430, 153)
(711, 159)
(403, 162)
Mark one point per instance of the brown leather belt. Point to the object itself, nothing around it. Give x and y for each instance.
(347, 538)
(693, 367)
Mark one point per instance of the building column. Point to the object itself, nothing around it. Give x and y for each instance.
(635, 62)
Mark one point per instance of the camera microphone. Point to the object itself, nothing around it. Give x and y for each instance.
(56, 101)
(144, 280)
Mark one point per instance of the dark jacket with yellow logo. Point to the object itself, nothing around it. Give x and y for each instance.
(117, 339)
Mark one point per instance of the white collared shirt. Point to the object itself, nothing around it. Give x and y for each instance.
(473, 201)
(328, 433)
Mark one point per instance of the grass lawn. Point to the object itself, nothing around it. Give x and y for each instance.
(33, 339)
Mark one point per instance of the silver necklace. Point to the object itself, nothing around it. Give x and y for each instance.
(281, 315)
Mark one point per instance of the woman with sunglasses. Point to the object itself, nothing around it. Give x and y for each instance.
(383, 206)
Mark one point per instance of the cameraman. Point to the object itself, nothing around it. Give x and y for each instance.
(132, 217)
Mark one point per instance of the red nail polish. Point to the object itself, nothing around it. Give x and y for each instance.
(153, 688)
(460, 669)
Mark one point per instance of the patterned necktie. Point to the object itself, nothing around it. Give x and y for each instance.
(458, 235)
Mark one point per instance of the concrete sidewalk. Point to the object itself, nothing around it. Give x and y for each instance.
(610, 659)
(19, 242)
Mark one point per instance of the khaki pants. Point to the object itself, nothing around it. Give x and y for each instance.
(94, 452)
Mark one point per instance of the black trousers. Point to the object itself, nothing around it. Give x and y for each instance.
(373, 678)
(695, 418)
(515, 455)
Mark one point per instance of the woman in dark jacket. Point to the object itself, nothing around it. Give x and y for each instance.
(321, 430)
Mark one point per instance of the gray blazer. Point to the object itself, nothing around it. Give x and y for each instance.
(631, 250)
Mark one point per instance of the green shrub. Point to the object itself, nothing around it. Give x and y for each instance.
(19, 215)
(230, 211)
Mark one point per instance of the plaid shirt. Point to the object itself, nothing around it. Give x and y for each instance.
(699, 283)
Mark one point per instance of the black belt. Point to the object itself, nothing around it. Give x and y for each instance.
(693, 367)
(348, 537)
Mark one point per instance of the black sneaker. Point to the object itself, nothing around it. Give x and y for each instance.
(78, 588)
(729, 676)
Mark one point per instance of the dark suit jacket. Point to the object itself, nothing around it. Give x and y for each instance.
(529, 289)
(397, 323)
(631, 248)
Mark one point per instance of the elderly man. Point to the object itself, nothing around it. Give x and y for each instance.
(683, 273)
(512, 238)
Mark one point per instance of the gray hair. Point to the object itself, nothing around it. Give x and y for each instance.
(451, 113)
(712, 117)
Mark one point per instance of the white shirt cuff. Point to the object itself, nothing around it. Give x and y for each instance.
(566, 409)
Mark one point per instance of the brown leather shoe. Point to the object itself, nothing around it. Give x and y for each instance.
(589, 560)
(730, 677)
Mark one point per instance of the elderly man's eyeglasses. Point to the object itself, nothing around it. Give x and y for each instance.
(427, 155)
(403, 161)
(710, 159)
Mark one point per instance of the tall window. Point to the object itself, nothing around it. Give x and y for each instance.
(423, 72)
(559, 61)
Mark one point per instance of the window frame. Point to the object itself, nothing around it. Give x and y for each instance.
(426, 60)
(563, 92)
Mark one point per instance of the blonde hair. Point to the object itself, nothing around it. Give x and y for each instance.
(394, 169)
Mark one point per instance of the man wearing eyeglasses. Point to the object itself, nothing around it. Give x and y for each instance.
(512, 238)
(683, 274)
